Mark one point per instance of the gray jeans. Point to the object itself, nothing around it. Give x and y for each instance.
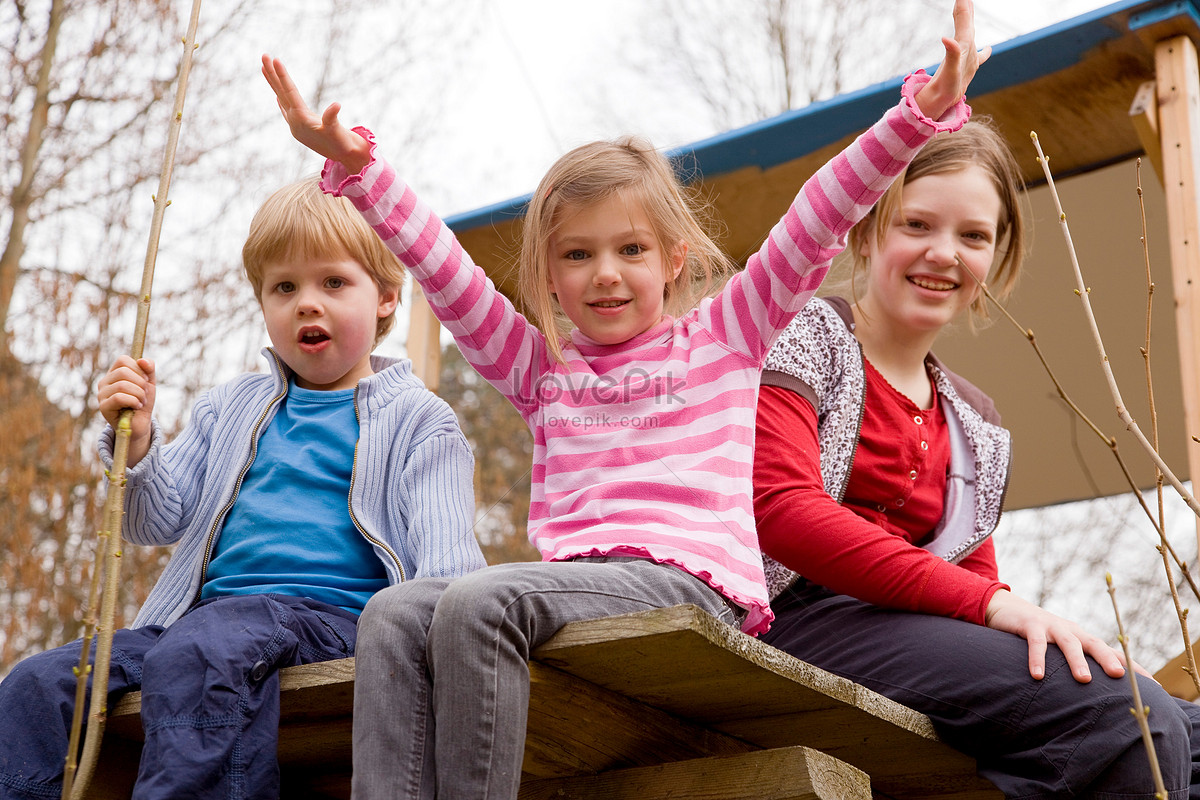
(442, 674)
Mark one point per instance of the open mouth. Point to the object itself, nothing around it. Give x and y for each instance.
(933, 285)
(313, 336)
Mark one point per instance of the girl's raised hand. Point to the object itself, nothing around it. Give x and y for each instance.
(958, 67)
(324, 135)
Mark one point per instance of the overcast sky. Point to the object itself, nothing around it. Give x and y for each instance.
(537, 107)
(542, 76)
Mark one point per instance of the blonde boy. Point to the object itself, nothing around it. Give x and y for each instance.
(291, 497)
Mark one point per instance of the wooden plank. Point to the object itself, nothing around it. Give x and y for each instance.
(683, 661)
(1178, 82)
(1175, 679)
(1143, 113)
(791, 773)
(576, 727)
(314, 691)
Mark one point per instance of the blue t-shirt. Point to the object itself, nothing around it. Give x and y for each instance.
(289, 531)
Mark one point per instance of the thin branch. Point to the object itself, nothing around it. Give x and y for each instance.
(1139, 710)
(1109, 441)
(1180, 611)
(1082, 292)
(76, 787)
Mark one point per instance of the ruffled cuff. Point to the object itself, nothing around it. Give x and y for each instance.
(954, 118)
(335, 178)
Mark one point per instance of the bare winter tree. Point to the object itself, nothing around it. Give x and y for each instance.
(503, 448)
(754, 59)
(84, 102)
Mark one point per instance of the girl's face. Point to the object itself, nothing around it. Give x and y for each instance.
(609, 271)
(915, 286)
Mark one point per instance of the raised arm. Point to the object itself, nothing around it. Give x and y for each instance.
(958, 66)
(322, 134)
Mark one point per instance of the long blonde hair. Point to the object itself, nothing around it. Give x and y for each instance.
(593, 173)
(979, 144)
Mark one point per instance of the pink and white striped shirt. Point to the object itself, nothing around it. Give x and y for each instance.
(646, 448)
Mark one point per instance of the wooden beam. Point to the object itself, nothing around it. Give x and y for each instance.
(1178, 82)
(1174, 677)
(424, 340)
(1143, 113)
(683, 661)
(619, 732)
(789, 773)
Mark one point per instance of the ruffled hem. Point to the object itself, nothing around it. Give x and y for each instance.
(758, 615)
(335, 178)
(954, 118)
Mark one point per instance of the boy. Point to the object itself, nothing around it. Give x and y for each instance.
(293, 496)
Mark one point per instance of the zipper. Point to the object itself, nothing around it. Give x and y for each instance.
(237, 487)
(862, 409)
(350, 494)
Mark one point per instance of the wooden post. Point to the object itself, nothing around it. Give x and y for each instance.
(424, 341)
(1143, 113)
(1179, 127)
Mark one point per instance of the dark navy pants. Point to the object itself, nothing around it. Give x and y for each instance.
(1053, 738)
(210, 698)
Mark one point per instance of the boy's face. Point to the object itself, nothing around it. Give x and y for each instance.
(321, 316)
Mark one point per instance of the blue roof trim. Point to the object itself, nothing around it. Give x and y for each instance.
(780, 139)
(1165, 12)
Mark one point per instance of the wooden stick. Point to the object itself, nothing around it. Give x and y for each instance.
(110, 537)
(1139, 711)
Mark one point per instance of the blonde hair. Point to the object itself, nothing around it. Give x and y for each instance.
(300, 221)
(592, 173)
(980, 144)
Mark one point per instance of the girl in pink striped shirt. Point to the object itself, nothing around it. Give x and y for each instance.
(642, 405)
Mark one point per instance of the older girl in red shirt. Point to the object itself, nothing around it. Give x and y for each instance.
(879, 478)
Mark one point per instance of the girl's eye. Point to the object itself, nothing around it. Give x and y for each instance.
(575, 255)
(632, 250)
(915, 224)
(978, 236)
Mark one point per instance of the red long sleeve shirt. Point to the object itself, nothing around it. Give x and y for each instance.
(869, 546)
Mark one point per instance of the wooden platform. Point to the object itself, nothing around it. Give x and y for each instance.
(644, 705)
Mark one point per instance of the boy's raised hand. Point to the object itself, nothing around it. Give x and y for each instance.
(324, 135)
(958, 66)
(129, 384)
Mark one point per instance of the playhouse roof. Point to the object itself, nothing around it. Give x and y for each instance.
(1073, 83)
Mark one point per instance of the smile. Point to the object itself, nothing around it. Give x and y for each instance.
(933, 285)
(608, 303)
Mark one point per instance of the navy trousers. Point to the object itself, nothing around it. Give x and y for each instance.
(210, 698)
(1053, 738)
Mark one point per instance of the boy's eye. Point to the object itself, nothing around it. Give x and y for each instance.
(335, 283)
(285, 287)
